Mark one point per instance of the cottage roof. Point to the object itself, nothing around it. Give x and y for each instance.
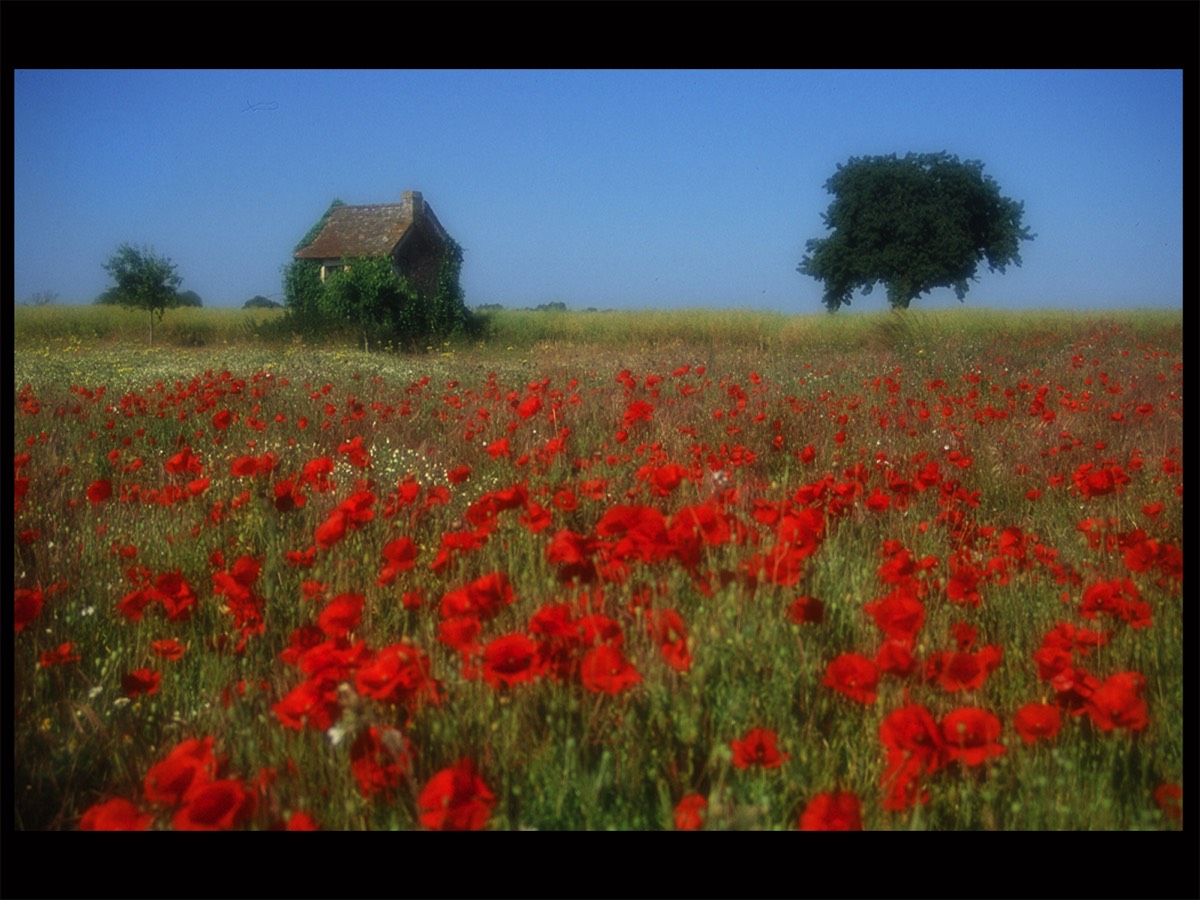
(353, 232)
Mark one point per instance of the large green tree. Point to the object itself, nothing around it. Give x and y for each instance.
(915, 223)
(144, 280)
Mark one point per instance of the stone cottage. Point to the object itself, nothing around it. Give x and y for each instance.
(407, 232)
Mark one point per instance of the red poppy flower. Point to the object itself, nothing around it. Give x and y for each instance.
(332, 530)
(757, 748)
(1117, 703)
(27, 606)
(354, 452)
(458, 474)
(915, 748)
(184, 461)
(669, 631)
(638, 411)
(341, 615)
(456, 799)
(61, 656)
(956, 671)
(971, 735)
(99, 491)
(316, 472)
(175, 595)
(301, 821)
(399, 555)
(963, 585)
(380, 760)
(690, 813)
(806, 609)
(483, 597)
(399, 673)
(461, 633)
(313, 702)
(287, 496)
(605, 670)
(853, 675)
(189, 764)
(1037, 721)
(1118, 599)
(216, 806)
(244, 466)
(836, 811)
(895, 657)
(1093, 481)
(899, 615)
(117, 814)
(1169, 798)
(141, 681)
(510, 660)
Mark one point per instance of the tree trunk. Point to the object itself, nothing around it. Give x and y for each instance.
(151, 327)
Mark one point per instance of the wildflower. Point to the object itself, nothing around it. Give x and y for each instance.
(117, 814)
(399, 673)
(971, 735)
(215, 806)
(670, 633)
(690, 813)
(1169, 797)
(1037, 721)
(27, 606)
(380, 760)
(140, 681)
(957, 671)
(341, 615)
(63, 655)
(509, 660)
(915, 748)
(806, 609)
(853, 675)
(456, 799)
(99, 491)
(835, 811)
(605, 670)
(190, 764)
(1117, 703)
(757, 748)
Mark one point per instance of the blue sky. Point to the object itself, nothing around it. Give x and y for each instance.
(608, 189)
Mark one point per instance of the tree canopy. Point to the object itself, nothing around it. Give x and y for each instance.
(913, 224)
(258, 301)
(144, 281)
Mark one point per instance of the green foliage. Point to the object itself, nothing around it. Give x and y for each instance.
(376, 303)
(144, 281)
(914, 224)
(189, 298)
(258, 301)
(110, 297)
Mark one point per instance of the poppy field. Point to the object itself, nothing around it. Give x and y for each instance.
(927, 575)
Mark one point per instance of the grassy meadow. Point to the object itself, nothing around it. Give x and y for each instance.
(605, 570)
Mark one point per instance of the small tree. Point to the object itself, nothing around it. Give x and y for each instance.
(144, 281)
(42, 298)
(914, 224)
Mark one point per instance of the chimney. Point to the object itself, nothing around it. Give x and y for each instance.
(412, 205)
